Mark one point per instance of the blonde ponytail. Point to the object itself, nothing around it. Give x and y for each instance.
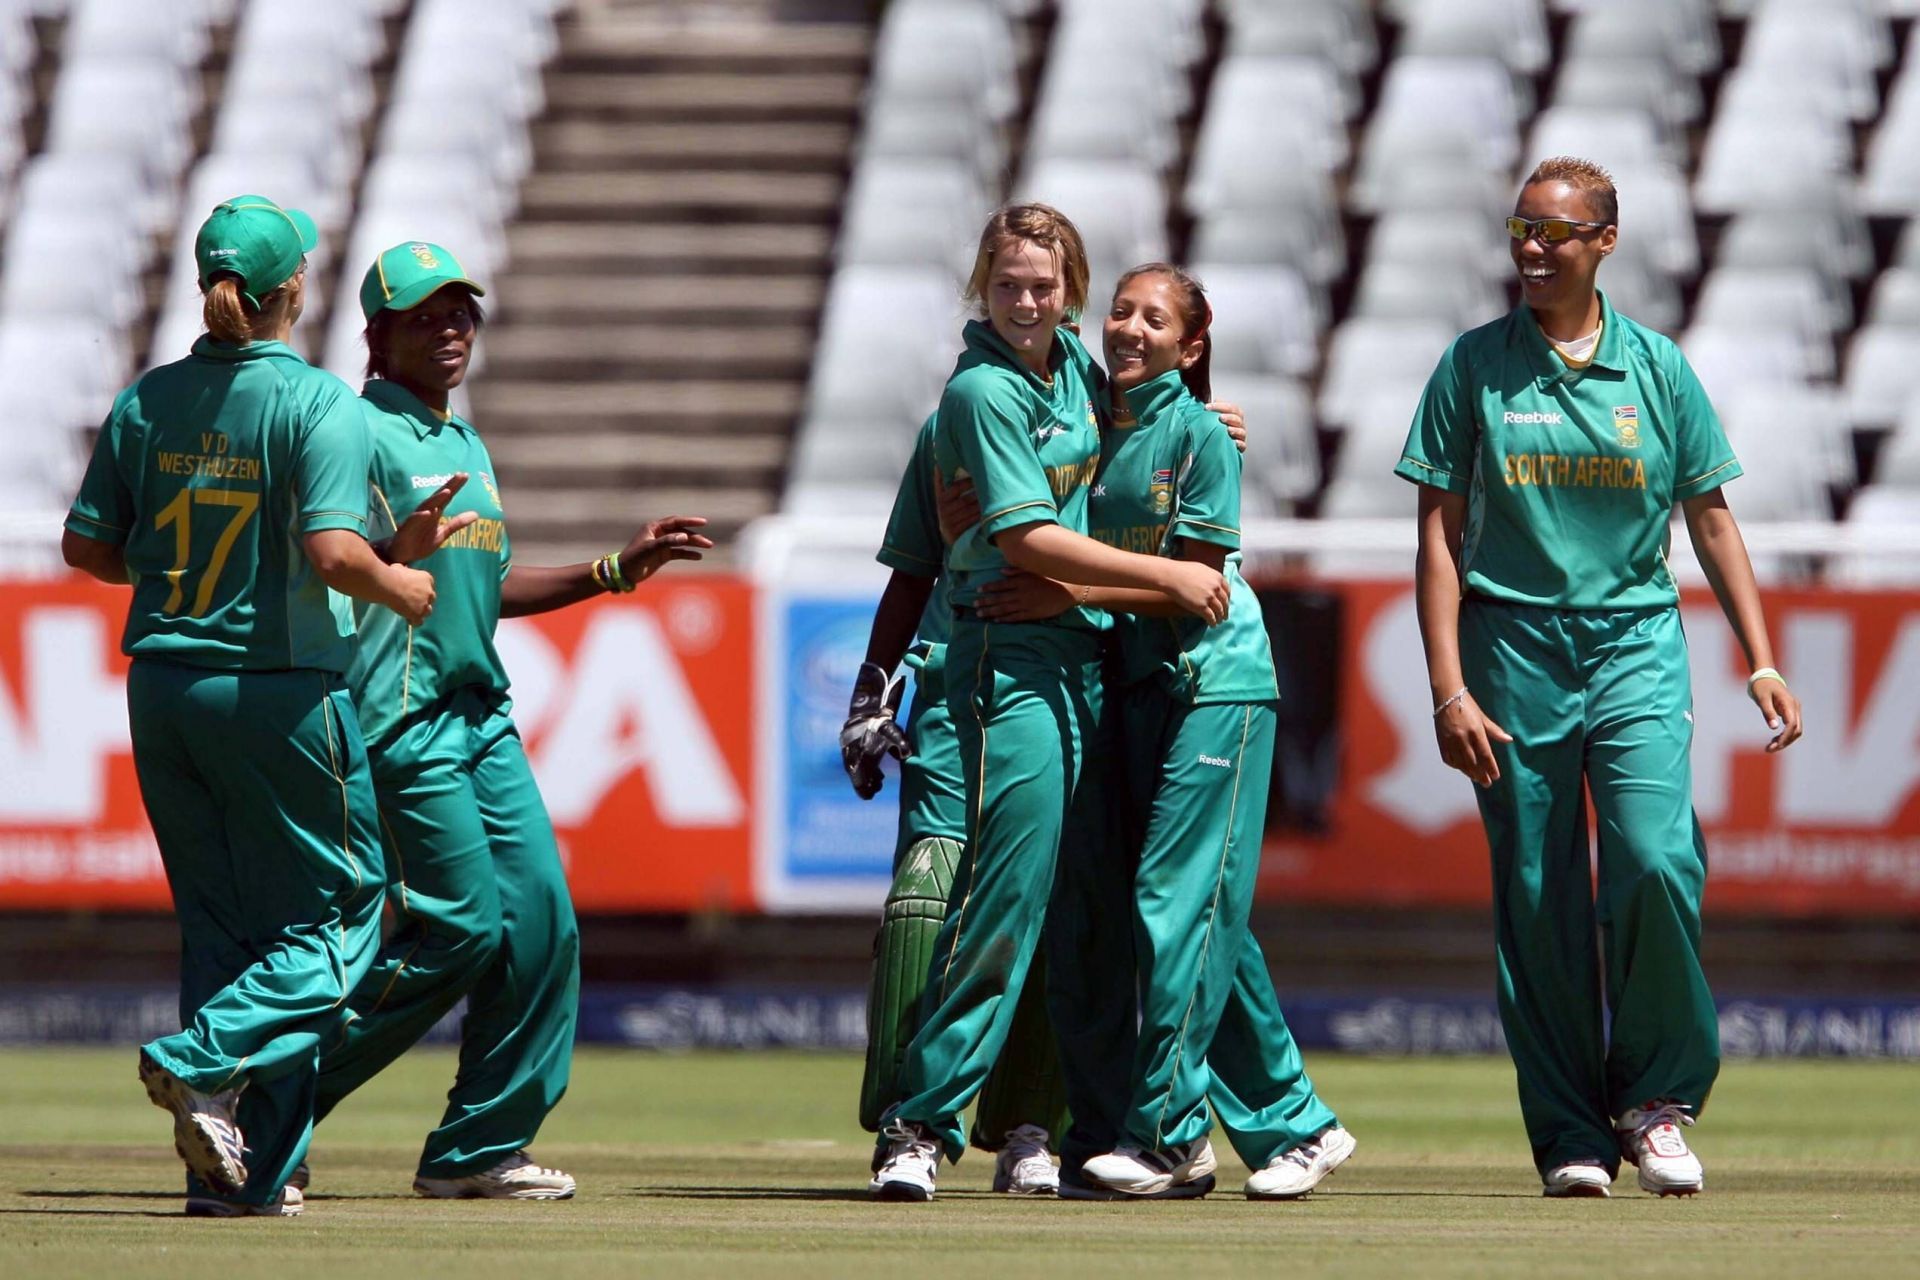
(225, 312)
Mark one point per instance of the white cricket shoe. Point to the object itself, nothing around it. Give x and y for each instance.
(1573, 1181)
(911, 1163)
(515, 1178)
(1293, 1173)
(1024, 1167)
(289, 1204)
(1650, 1139)
(204, 1131)
(1146, 1173)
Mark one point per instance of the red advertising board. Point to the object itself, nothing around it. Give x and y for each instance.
(1831, 826)
(637, 716)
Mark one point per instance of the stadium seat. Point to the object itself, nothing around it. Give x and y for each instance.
(948, 52)
(1650, 84)
(137, 108)
(1079, 117)
(1362, 484)
(1729, 359)
(1830, 238)
(1620, 139)
(1437, 116)
(902, 212)
(1896, 300)
(1769, 157)
(1881, 505)
(934, 131)
(1838, 47)
(1422, 236)
(136, 29)
(1364, 353)
(1267, 111)
(1685, 31)
(1283, 454)
(1790, 297)
(1263, 319)
(1453, 292)
(1882, 373)
(1515, 30)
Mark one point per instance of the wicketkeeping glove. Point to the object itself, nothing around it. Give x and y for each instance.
(871, 731)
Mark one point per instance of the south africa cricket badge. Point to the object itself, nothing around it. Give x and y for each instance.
(1626, 421)
(1160, 491)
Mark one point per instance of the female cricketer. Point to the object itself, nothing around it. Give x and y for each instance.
(229, 490)
(1192, 711)
(1019, 418)
(1022, 1106)
(1550, 447)
(475, 875)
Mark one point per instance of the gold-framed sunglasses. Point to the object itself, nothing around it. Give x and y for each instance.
(1549, 230)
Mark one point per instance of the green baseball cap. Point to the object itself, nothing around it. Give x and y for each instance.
(408, 274)
(255, 239)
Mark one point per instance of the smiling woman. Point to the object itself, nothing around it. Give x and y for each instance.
(471, 841)
(1569, 432)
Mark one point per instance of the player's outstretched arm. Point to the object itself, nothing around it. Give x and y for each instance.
(106, 561)
(531, 589)
(1723, 557)
(1059, 553)
(1466, 734)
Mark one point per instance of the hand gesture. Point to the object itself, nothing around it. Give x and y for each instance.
(412, 593)
(1199, 589)
(1467, 735)
(1019, 596)
(958, 507)
(871, 730)
(659, 541)
(422, 533)
(1233, 420)
(1780, 707)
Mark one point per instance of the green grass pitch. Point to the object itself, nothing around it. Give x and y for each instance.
(751, 1165)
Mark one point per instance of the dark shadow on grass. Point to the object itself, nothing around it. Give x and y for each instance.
(751, 1193)
(1438, 1195)
(85, 1193)
(98, 1213)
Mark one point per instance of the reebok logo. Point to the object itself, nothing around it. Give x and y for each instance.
(430, 482)
(1547, 419)
(1216, 761)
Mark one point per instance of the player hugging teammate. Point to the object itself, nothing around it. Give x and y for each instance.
(1142, 879)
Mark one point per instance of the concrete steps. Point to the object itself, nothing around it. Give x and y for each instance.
(658, 314)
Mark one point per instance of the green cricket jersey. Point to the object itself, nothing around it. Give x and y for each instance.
(1030, 445)
(913, 544)
(1174, 473)
(401, 669)
(1570, 473)
(209, 471)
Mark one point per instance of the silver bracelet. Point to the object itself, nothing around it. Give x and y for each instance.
(1450, 701)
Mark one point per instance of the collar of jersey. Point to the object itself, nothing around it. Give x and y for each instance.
(981, 338)
(1610, 354)
(396, 399)
(1154, 397)
(212, 350)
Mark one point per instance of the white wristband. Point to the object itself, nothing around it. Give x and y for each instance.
(1764, 673)
(1461, 693)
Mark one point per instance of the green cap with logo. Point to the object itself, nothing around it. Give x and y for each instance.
(255, 239)
(408, 274)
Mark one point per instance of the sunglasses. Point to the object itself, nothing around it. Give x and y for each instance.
(1549, 230)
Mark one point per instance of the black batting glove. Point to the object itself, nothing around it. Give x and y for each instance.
(871, 731)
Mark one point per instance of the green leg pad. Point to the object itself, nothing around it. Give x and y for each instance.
(902, 951)
(1026, 1086)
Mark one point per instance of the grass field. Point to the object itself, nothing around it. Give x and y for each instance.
(746, 1165)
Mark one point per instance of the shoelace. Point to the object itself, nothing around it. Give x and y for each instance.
(1303, 1155)
(1664, 1113)
(915, 1138)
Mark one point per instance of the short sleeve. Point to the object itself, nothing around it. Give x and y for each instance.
(1440, 443)
(103, 510)
(913, 543)
(1702, 457)
(990, 432)
(1206, 488)
(334, 461)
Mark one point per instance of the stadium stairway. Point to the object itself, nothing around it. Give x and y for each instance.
(666, 270)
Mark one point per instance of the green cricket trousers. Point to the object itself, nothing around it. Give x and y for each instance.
(483, 910)
(1022, 697)
(1177, 856)
(257, 788)
(1604, 697)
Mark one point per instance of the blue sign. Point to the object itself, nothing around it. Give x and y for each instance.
(831, 834)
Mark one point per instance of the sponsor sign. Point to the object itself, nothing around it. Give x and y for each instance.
(1831, 826)
(637, 716)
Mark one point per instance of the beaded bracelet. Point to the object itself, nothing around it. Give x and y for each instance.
(1450, 701)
